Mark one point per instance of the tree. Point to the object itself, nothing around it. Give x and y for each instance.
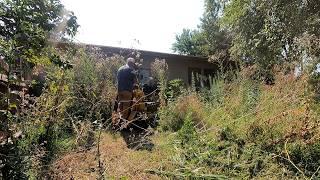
(209, 39)
(27, 25)
(191, 42)
(217, 37)
(265, 32)
(27, 28)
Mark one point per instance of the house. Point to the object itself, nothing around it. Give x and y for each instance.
(179, 66)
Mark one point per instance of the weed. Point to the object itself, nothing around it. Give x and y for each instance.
(245, 130)
(306, 157)
(173, 115)
(175, 89)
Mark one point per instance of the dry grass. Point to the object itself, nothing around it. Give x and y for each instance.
(119, 161)
(191, 104)
(280, 115)
(279, 107)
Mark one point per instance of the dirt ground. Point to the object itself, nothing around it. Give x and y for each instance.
(123, 155)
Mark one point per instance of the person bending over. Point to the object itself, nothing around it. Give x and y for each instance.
(126, 77)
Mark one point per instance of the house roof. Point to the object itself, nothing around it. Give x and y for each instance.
(110, 50)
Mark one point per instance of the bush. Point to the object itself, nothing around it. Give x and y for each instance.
(173, 115)
(187, 134)
(65, 115)
(169, 120)
(246, 126)
(93, 85)
(215, 94)
(306, 157)
(175, 89)
(159, 70)
(41, 122)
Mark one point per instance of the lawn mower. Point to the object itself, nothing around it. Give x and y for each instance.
(142, 111)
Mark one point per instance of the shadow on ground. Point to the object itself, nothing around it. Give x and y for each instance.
(138, 138)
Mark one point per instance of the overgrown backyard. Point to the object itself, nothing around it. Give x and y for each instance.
(258, 117)
(239, 129)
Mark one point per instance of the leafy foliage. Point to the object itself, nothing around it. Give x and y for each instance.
(175, 89)
(159, 70)
(73, 105)
(26, 26)
(190, 42)
(265, 31)
(261, 33)
(209, 39)
(245, 131)
(93, 85)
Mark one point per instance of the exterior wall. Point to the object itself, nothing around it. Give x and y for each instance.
(179, 65)
(180, 68)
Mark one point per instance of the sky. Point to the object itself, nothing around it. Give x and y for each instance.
(142, 24)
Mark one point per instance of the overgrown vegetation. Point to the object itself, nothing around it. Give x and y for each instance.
(261, 33)
(76, 103)
(260, 121)
(253, 130)
(26, 27)
(250, 130)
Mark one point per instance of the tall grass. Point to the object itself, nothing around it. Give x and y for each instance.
(246, 129)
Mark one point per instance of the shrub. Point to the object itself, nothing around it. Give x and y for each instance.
(159, 70)
(93, 85)
(248, 124)
(169, 120)
(42, 123)
(215, 94)
(175, 89)
(187, 134)
(66, 113)
(306, 157)
(173, 115)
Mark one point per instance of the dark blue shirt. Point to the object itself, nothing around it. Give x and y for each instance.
(126, 77)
